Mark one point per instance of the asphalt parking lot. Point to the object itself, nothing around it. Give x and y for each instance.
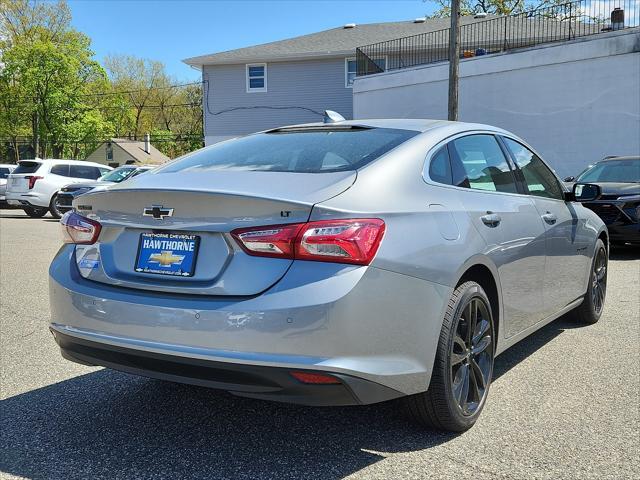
(564, 404)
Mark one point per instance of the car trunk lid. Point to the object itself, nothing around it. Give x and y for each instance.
(207, 205)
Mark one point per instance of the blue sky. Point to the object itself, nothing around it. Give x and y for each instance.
(170, 30)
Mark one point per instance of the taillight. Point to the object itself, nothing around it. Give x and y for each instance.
(78, 229)
(271, 241)
(32, 180)
(353, 241)
(345, 241)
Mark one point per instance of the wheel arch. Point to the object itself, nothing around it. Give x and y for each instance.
(604, 236)
(487, 278)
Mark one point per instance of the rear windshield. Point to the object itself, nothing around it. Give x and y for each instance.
(304, 151)
(27, 167)
(4, 172)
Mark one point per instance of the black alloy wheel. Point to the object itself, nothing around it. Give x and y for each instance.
(592, 306)
(472, 356)
(599, 280)
(463, 364)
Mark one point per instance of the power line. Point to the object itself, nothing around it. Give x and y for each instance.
(100, 94)
(158, 139)
(123, 107)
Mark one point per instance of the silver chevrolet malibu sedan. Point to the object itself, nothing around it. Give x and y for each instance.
(337, 263)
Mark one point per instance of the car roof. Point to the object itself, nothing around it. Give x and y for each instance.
(65, 161)
(8, 165)
(416, 124)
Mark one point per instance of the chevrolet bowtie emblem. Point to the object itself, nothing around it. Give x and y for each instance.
(158, 212)
(166, 258)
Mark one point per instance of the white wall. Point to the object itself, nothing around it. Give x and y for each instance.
(574, 102)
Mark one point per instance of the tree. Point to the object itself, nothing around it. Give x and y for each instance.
(25, 19)
(56, 79)
(47, 79)
(140, 79)
(55, 93)
(496, 7)
(159, 104)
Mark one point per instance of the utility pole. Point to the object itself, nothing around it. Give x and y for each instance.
(454, 59)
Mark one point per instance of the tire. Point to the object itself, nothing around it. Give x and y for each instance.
(53, 209)
(442, 406)
(36, 212)
(590, 310)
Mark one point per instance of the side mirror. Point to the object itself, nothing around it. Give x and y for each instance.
(586, 192)
(569, 179)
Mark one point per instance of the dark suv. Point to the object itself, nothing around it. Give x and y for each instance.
(619, 204)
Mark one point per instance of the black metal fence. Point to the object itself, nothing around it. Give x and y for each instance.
(492, 34)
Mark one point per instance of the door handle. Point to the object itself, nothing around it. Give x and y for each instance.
(491, 219)
(550, 218)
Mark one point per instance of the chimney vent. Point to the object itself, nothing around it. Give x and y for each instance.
(349, 25)
(480, 15)
(420, 20)
(617, 19)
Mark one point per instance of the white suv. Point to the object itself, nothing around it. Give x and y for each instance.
(34, 184)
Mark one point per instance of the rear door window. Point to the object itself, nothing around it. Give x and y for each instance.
(440, 167)
(85, 171)
(479, 163)
(539, 178)
(4, 172)
(62, 170)
(27, 167)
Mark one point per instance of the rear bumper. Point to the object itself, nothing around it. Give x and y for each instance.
(269, 383)
(361, 322)
(26, 199)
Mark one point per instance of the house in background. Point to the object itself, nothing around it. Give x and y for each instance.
(121, 151)
(294, 80)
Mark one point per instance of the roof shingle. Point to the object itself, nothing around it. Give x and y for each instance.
(333, 42)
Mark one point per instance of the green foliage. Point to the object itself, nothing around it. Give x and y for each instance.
(54, 92)
(496, 7)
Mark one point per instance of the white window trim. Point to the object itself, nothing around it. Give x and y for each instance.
(346, 68)
(246, 75)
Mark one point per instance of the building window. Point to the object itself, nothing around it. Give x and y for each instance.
(257, 77)
(351, 68)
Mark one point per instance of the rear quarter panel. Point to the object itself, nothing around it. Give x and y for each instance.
(428, 234)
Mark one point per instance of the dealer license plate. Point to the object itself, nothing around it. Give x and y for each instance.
(167, 254)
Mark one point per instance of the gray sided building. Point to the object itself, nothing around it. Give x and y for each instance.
(291, 81)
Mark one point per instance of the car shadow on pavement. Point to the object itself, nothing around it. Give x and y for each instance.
(111, 425)
(108, 424)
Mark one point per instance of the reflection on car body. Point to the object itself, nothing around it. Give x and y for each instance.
(69, 192)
